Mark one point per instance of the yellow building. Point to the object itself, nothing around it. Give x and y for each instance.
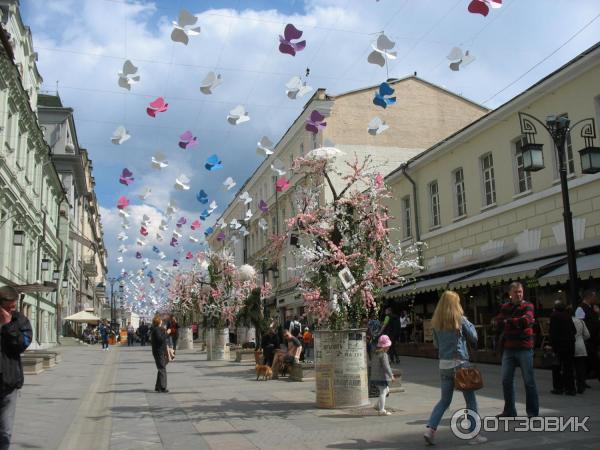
(485, 221)
(424, 114)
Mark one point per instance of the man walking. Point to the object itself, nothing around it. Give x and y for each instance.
(103, 329)
(130, 335)
(15, 337)
(590, 318)
(143, 332)
(516, 319)
(562, 338)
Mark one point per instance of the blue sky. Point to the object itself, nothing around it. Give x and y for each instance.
(82, 44)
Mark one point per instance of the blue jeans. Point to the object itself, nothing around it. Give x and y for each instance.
(511, 358)
(8, 407)
(447, 384)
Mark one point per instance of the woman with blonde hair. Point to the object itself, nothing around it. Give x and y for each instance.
(451, 331)
(158, 337)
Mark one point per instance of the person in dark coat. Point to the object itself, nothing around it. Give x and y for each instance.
(159, 337)
(143, 332)
(562, 338)
(15, 336)
(270, 343)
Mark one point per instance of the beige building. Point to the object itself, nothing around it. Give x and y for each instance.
(486, 221)
(83, 277)
(424, 114)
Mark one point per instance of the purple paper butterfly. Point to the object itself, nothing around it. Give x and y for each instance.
(262, 205)
(175, 263)
(126, 177)
(138, 255)
(221, 236)
(173, 242)
(187, 140)
(285, 42)
(315, 123)
(181, 222)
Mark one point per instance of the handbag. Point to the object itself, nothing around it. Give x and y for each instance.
(467, 378)
(169, 355)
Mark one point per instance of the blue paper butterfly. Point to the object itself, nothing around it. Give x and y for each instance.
(213, 163)
(208, 231)
(155, 249)
(381, 96)
(202, 197)
(204, 214)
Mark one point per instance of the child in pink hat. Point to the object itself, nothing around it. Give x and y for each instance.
(381, 372)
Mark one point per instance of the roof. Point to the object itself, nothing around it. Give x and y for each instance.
(393, 81)
(52, 101)
(501, 109)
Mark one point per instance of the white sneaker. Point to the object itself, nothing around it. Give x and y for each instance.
(429, 436)
(383, 412)
(479, 439)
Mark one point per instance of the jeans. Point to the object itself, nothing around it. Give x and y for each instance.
(447, 385)
(130, 340)
(511, 358)
(8, 407)
(104, 343)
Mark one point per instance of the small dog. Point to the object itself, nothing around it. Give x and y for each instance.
(265, 371)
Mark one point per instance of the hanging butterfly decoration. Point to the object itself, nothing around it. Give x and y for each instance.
(286, 45)
(382, 96)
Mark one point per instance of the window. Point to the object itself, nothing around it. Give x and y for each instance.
(460, 199)
(302, 149)
(523, 177)
(406, 219)
(434, 203)
(274, 183)
(314, 140)
(489, 183)
(10, 121)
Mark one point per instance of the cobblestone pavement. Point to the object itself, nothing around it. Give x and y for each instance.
(106, 400)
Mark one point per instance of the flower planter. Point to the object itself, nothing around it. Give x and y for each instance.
(186, 339)
(341, 369)
(217, 344)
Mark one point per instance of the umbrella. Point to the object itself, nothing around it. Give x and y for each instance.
(83, 317)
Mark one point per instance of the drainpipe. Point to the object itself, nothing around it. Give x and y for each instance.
(416, 202)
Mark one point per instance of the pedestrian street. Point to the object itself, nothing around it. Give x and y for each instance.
(105, 400)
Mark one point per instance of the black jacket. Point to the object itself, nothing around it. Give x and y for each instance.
(562, 332)
(15, 337)
(158, 339)
(270, 342)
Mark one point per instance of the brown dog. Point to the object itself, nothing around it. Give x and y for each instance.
(263, 370)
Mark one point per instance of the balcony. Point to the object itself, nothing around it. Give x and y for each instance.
(89, 267)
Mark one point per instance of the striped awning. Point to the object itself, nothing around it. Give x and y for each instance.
(588, 266)
(506, 272)
(428, 284)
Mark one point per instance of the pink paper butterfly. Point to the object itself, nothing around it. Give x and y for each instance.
(189, 255)
(483, 6)
(315, 123)
(143, 231)
(157, 106)
(196, 224)
(187, 140)
(123, 202)
(285, 42)
(126, 177)
(282, 184)
(379, 181)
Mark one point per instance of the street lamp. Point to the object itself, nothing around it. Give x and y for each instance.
(18, 238)
(559, 127)
(45, 266)
(55, 275)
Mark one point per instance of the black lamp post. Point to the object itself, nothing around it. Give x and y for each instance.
(112, 281)
(559, 127)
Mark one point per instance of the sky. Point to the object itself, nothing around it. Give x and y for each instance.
(82, 45)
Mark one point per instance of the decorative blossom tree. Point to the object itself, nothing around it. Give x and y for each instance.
(343, 247)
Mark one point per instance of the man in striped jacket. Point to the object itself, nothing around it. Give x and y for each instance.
(516, 320)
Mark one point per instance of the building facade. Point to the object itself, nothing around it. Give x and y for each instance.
(485, 220)
(85, 268)
(423, 115)
(31, 193)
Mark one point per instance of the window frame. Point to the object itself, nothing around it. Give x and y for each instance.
(434, 205)
(405, 205)
(460, 208)
(491, 182)
(518, 168)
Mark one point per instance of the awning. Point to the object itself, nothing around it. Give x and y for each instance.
(428, 285)
(588, 266)
(83, 317)
(506, 272)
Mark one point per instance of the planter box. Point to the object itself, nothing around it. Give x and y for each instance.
(217, 345)
(32, 365)
(244, 355)
(341, 369)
